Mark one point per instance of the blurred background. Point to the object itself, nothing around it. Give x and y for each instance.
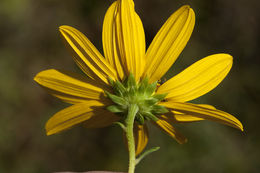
(30, 43)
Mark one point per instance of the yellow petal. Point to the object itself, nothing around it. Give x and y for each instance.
(73, 115)
(103, 118)
(70, 87)
(130, 38)
(169, 43)
(198, 79)
(205, 113)
(110, 42)
(178, 117)
(86, 55)
(141, 137)
(164, 124)
(183, 118)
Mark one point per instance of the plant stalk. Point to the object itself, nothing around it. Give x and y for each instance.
(132, 110)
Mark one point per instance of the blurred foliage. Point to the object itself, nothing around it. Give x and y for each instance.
(30, 43)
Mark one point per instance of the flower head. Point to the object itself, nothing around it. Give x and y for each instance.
(128, 74)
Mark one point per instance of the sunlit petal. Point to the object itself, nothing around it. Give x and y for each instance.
(205, 113)
(70, 87)
(198, 79)
(178, 117)
(86, 55)
(110, 41)
(130, 38)
(73, 115)
(169, 43)
(141, 137)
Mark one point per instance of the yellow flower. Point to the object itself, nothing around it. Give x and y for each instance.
(125, 55)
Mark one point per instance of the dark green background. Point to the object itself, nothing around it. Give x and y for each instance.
(29, 43)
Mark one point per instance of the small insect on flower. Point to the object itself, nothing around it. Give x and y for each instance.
(126, 77)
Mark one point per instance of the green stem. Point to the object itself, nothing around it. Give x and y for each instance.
(132, 110)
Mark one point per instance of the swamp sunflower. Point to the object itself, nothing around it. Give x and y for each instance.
(128, 74)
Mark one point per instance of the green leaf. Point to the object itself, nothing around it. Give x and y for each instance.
(139, 118)
(143, 85)
(116, 99)
(131, 83)
(119, 88)
(158, 109)
(151, 88)
(160, 96)
(150, 101)
(120, 125)
(114, 109)
(150, 116)
(111, 81)
(146, 153)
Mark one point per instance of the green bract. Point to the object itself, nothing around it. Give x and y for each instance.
(142, 94)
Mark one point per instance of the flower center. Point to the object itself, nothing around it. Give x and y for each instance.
(142, 94)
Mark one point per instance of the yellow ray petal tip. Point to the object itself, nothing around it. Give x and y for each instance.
(241, 128)
(63, 28)
(239, 125)
(37, 77)
(48, 133)
(187, 7)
